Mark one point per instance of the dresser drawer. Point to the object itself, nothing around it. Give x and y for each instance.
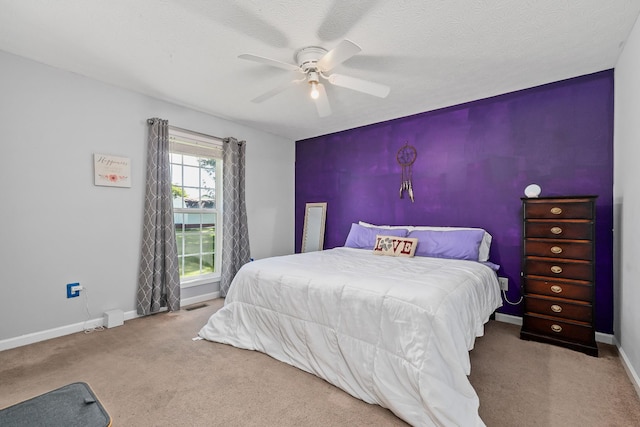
(556, 307)
(575, 290)
(558, 209)
(577, 230)
(559, 329)
(565, 269)
(574, 249)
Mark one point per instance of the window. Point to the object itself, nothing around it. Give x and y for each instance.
(196, 178)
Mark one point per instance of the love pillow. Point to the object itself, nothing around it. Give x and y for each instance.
(395, 246)
(365, 237)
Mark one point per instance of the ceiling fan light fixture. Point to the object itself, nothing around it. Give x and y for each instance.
(313, 79)
(314, 90)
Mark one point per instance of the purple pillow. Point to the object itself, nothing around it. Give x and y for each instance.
(361, 237)
(459, 244)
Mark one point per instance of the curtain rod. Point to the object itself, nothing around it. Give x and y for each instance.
(150, 121)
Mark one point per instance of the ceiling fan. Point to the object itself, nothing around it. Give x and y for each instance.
(315, 62)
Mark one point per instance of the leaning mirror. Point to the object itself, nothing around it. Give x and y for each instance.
(313, 231)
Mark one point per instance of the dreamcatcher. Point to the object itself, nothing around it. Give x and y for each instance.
(405, 157)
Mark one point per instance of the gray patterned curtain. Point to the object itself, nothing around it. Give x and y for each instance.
(235, 234)
(159, 278)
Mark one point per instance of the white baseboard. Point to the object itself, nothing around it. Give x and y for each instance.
(516, 320)
(633, 375)
(507, 318)
(605, 338)
(200, 298)
(48, 334)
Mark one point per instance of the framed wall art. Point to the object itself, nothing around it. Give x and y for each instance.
(111, 171)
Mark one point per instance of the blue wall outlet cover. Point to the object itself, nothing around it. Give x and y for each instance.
(71, 294)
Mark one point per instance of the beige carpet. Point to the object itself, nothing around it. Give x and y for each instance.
(150, 373)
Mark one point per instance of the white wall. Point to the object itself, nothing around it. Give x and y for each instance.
(57, 227)
(627, 202)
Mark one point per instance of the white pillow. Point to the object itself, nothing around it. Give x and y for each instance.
(485, 245)
(390, 227)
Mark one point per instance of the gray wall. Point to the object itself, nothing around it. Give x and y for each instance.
(58, 228)
(627, 202)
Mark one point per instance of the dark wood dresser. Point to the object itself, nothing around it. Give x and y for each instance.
(558, 271)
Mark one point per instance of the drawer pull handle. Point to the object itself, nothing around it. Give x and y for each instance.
(556, 328)
(556, 308)
(556, 289)
(556, 269)
(556, 230)
(556, 211)
(556, 249)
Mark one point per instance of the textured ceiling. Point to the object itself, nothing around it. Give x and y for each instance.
(432, 53)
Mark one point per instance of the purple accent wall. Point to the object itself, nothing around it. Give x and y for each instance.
(474, 161)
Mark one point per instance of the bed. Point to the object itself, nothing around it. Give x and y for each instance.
(390, 330)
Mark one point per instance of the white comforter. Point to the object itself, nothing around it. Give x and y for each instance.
(391, 331)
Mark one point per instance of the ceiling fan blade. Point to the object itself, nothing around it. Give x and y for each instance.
(365, 86)
(245, 20)
(322, 102)
(343, 16)
(268, 61)
(345, 50)
(276, 90)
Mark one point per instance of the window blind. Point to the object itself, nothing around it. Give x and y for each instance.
(194, 144)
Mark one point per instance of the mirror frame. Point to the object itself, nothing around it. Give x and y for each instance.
(308, 242)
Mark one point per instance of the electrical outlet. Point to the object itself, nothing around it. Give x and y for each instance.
(72, 291)
(504, 283)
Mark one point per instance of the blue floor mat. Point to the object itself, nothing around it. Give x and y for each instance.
(73, 405)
